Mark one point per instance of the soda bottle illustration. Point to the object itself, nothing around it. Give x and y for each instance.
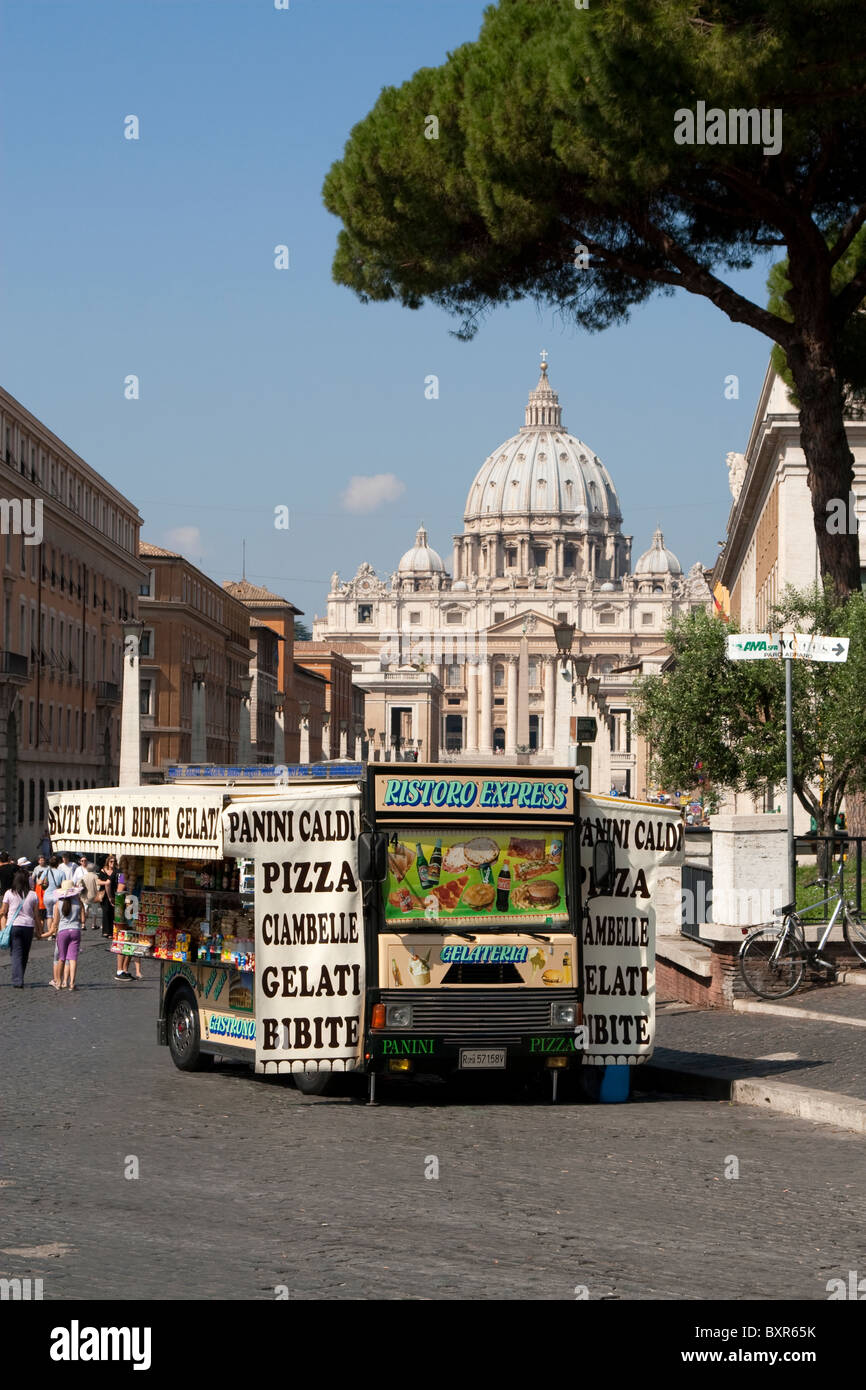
(422, 867)
(435, 866)
(503, 888)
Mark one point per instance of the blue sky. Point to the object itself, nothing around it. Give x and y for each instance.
(261, 388)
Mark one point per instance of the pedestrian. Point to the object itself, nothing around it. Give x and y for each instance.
(80, 869)
(38, 881)
(92, 903)
(20, 908)
(7, 872)
(66, 864)
(108, 883)
(53, 880)
(66, 926)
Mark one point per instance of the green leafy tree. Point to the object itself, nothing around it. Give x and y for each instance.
(730, 715)
(302, 631)
(543, 161)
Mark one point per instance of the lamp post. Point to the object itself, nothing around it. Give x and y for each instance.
(245, 747)
(304, 707)
(371, 738)
(280, 728)
(382, 757)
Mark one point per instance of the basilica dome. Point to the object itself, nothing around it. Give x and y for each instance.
(544, 470)
(658, 560)
(422, 559)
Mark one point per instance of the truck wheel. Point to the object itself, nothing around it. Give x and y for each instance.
(312, 1083)
(184, 1033)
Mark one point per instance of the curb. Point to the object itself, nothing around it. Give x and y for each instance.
(747, 1006)
(851, 977)
(803, 1102)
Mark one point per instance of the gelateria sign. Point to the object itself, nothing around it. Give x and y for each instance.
(162, 821)
(467, 795)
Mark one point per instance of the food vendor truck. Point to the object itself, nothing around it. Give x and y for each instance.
(414, 919)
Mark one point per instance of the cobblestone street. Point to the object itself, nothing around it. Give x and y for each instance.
(246, 1185)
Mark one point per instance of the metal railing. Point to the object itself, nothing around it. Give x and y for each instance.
(826, 850)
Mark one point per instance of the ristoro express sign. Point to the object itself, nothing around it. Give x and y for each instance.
(475, 795)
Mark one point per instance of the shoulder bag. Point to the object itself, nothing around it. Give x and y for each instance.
(6, 933)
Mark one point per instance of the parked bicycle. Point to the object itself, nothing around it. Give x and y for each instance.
(773, 959)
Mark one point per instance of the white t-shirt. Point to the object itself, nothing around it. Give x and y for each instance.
(79, 875)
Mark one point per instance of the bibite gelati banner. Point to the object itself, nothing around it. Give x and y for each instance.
(309, 983)
(618, 931)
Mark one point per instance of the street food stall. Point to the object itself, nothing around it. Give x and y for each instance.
(413, 919)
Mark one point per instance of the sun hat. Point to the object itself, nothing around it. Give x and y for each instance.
(23, 862)
(68, 889)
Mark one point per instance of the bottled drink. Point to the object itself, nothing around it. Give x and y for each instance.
(566, 969)
(503, 888)
(422, 867)
(435, 868)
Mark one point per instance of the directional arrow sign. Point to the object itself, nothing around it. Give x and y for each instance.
(791, 646)
(812, 647)
(753, 646)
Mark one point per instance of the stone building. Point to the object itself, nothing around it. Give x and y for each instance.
(465, 660)
(70, 576)
(192, 631)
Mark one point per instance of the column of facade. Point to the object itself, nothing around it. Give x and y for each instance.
(511, 705)
(548, 736)
(471, 707)
(485, 740)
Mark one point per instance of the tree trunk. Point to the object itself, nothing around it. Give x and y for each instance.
(855, 812)
(819, 386)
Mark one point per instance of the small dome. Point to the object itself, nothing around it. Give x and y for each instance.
(422, 558)
(658, 560)
(459, 584)
(608, 586)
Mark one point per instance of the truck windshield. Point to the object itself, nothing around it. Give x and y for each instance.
(494, 880)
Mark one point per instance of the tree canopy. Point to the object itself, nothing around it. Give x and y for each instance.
(543, 161)
(730, 715)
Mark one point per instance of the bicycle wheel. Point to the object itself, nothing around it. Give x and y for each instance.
(765, 972)
(855, 932)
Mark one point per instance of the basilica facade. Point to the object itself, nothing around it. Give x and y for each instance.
(461, 661)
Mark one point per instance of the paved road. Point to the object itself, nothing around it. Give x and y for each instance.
(246, 1185)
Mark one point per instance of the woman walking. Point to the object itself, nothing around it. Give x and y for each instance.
(20, 908)
(66, 926)
(51, 887)
(108, 883)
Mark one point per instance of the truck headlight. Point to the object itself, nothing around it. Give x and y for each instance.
(398, 1016)
(563, 1015)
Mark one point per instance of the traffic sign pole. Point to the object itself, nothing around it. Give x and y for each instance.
(789, 773)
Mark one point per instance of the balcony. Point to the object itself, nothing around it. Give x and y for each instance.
(14, 666)
(107, 693)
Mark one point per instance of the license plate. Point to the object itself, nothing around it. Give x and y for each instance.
(482, 1058)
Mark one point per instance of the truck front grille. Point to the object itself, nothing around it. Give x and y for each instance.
(490, 1016)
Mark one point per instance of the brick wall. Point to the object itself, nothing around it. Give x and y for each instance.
(724, 984)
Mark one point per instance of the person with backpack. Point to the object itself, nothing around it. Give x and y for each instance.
(54, 879)
(38, 881)
(20, 909)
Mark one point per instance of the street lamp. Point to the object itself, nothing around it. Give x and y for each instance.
(304, 707)
(246, 685)
(199, 668)
(593, 686)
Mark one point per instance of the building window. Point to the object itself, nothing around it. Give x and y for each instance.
(365, 612)
(414, 617)
(539, 556)
(31, 724)
(146, 696)
(499, 616)
(454, 676)
(607, 617)
(499, 675)
(647, 619)
(147, 748)
(534, 673)
(562, 617)
(42, 801)
(20, 801)
(454, 616)
(145, 646)
(31, 801)
(511, 556)
(569, 557)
